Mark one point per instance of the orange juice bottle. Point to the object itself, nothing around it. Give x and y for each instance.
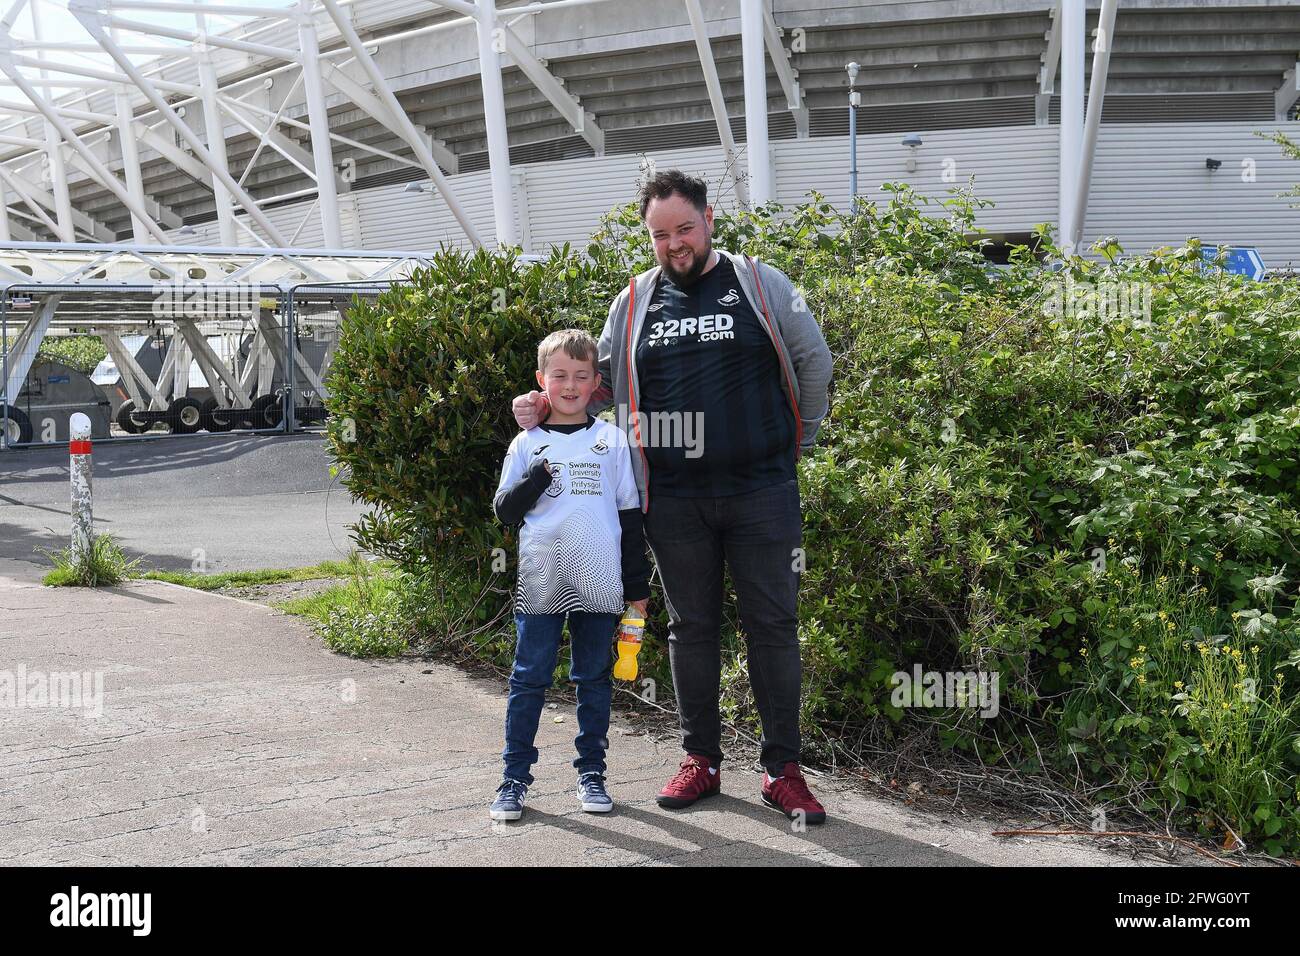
(630, 630)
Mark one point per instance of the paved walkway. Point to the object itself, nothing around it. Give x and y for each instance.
(230, 735)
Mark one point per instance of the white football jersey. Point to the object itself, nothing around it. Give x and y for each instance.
(569, 545)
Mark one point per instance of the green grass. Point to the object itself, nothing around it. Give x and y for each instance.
(103, 566)
(361, 617)
(235, 579)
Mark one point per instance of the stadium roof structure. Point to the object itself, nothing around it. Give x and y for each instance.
(306, 102)
(55, 265)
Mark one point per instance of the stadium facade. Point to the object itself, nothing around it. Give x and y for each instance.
(374, 125)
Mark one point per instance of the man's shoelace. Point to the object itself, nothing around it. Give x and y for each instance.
(795, 787)
(592, 782)
(687, 773)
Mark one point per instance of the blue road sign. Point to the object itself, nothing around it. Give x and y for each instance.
(1241, 260)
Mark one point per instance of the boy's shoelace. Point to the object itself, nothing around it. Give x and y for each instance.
(513, 788)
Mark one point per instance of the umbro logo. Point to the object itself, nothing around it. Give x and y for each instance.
(731, 298)
(655, 307)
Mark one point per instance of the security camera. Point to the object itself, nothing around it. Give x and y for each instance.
(1213, 164)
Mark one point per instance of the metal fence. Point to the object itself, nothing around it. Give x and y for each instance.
(317, 311)
(215, 359)
(220, 340)
(176, 361)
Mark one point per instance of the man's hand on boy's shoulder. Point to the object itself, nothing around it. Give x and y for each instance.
(531, 409)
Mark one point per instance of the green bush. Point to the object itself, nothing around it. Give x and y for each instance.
(1186, 704)
(997, 440)
(81, 352)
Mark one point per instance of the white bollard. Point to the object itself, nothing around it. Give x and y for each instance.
(79, 468)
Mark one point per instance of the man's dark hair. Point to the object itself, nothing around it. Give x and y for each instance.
(662, 185)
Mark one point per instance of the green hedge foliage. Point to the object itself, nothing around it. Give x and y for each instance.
(1050, 473)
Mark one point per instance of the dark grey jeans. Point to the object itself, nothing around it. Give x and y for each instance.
(756, 534)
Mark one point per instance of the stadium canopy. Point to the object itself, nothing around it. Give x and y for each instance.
(138, 120)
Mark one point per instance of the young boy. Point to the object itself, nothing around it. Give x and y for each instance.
(581, 557)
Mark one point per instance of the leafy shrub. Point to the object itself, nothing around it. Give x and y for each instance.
(1188, 704)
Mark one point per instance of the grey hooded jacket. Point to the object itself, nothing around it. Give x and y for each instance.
(804, 359)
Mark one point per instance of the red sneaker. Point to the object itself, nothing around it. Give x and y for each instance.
(789, 793)
(697, 779)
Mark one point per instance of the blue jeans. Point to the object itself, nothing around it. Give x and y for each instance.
(591, 640)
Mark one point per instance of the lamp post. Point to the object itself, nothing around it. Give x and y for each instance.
(855, 100)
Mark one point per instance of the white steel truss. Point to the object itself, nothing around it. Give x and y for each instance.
(37, 278)
(76, 95)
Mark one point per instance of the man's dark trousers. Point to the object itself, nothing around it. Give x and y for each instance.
(758, 534)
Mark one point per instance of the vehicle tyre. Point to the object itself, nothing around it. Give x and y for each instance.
(18, 426)
(218, 419)
(128, 421)
(185, 416)
(267, 411)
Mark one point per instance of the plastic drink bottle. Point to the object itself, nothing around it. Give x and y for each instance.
(630, 630)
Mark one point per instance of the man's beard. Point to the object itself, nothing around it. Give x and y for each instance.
(697, 267)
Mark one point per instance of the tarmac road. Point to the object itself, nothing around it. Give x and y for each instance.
(196, 502)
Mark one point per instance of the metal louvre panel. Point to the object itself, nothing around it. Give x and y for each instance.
(423, 220)
(1179, 107)
(1150, 187)
(950, 114)
(1013, 166)
(634, 139)
(568, 147)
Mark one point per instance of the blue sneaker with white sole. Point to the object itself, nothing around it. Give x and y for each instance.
(592, 795)
(509, 804)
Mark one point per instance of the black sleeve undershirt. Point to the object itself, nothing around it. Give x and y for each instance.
(512, 503)
(516, 501)
(636, 566)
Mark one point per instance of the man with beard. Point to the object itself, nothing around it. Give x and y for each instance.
(720, 373)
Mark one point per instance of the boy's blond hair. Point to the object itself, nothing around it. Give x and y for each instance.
(576, 344)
